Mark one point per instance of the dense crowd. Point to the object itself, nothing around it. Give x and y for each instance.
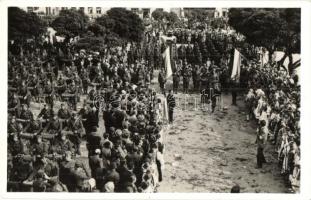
(44, 150)
(273, 100)
(126, 155)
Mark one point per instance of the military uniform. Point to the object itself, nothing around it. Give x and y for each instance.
(162, 81)
(187, 73)
(176, 80)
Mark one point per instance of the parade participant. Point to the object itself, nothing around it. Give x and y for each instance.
(49, 94)
(76, 127)
(54, 126)
(176, 78)
(24, 94)
(162, 81)
(61, 86)
(187, 73)
(171, 103)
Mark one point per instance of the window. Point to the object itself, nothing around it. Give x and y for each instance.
(146, 12)
(224, 13)
(90, 10)
(29, 9)
(98, 10)
(81, 9)
(134, 10)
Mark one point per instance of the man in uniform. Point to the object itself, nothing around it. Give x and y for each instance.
(75, 125)
(61, 86)
(162, 81)
(64, 115)
(176, 79)
(24, 94)
(45, 115)
(73, 91)
(187, 73)
(49, 92)
(170, 105)
(85, 81)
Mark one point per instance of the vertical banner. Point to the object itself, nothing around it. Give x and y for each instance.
(236, 69)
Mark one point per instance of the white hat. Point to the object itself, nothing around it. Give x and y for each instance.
(109, 186)
(92, 183)
(97, 151)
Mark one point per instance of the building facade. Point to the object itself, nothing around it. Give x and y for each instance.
(94, 12)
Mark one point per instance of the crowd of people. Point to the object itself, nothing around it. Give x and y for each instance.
(124, 150)
(273, 100)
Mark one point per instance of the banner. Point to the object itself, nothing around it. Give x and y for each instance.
(236, 69)
(167, 62)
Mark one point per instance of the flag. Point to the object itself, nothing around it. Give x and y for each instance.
(236, 68)
(167, 62)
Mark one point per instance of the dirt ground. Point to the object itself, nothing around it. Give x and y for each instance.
(210, 152)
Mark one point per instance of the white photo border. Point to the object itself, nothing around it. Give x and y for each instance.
(305, 74)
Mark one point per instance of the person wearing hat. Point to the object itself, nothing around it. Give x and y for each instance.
(49, 94)
(75, 125)
(95, 162)
(171, 103)
(113, 175)
(54, 126)
(81, 177)
(187, 74)
(162, 80)
(64, 115)
(62, 144)
(73, 90)
(45, 114)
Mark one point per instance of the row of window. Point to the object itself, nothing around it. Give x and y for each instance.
(90, 10)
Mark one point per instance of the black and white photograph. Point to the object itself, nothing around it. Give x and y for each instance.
(153, 99)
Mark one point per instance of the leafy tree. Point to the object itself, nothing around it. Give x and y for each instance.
(97, 29)
(196, 14)
(23, 25)
(90, 42)
(270, 28)
(124, 23)
(157, 14)
(70, 23)
(171, 17)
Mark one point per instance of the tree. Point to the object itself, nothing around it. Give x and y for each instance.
(197, 14)
(270, 28)
(97, 29)
(171, 17)
(70, 23)
(124, 23)
(157, 14)
(23, 25)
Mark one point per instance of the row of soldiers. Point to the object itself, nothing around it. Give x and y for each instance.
(124, 146)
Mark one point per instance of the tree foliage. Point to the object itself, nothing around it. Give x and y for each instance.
(126, 24)
(23, 25)
(274, 29)
(159, 15)
(197, 14)
(70, 23)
